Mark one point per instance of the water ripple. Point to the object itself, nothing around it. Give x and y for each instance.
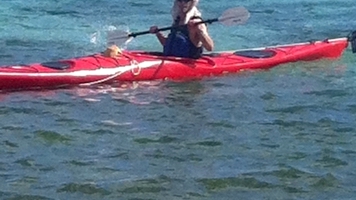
(213, 184)
(11, 144)
(9, 196)
(292, 109)
(288, 123)
(327, 181)
(85, 188)
(161, 140)
(330, 93)
(208, 143)
(63, 12)
(52, 137)
(329, 161)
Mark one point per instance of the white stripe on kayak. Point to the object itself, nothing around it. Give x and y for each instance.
(284, 45)
(83, 73)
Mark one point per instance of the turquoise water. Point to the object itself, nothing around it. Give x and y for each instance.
(285, 133)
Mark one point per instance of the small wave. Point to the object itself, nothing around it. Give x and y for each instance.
(52, 137)
(330, 93)
(208, 143)
(85, 188)
(62, 12)
(214, 184)
(161, 140)
(331, 162)
(12, 196)
(326, 181)
(292, 109)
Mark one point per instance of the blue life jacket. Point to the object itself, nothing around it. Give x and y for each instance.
(178, 44)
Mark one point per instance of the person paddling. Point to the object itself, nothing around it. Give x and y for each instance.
(187, 38)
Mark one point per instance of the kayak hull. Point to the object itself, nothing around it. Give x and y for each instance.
(145, 66)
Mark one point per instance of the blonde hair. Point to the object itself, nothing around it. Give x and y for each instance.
(193, 11)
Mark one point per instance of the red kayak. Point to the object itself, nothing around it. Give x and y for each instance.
(143, 66)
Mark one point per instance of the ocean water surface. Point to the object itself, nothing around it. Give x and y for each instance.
(284, 133)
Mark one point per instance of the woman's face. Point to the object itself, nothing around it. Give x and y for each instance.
(185, 5)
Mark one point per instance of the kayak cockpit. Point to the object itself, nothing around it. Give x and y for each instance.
(57, 65)
(256, 53)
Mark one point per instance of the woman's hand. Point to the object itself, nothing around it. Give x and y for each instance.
(153, 29)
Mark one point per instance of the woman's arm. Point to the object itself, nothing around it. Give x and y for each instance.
(205, 39)
(199, 35)
(161, 38)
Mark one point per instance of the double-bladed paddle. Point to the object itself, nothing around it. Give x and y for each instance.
(231, 16)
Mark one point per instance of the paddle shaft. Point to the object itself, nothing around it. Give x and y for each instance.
(209, 21)
(231, 16)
